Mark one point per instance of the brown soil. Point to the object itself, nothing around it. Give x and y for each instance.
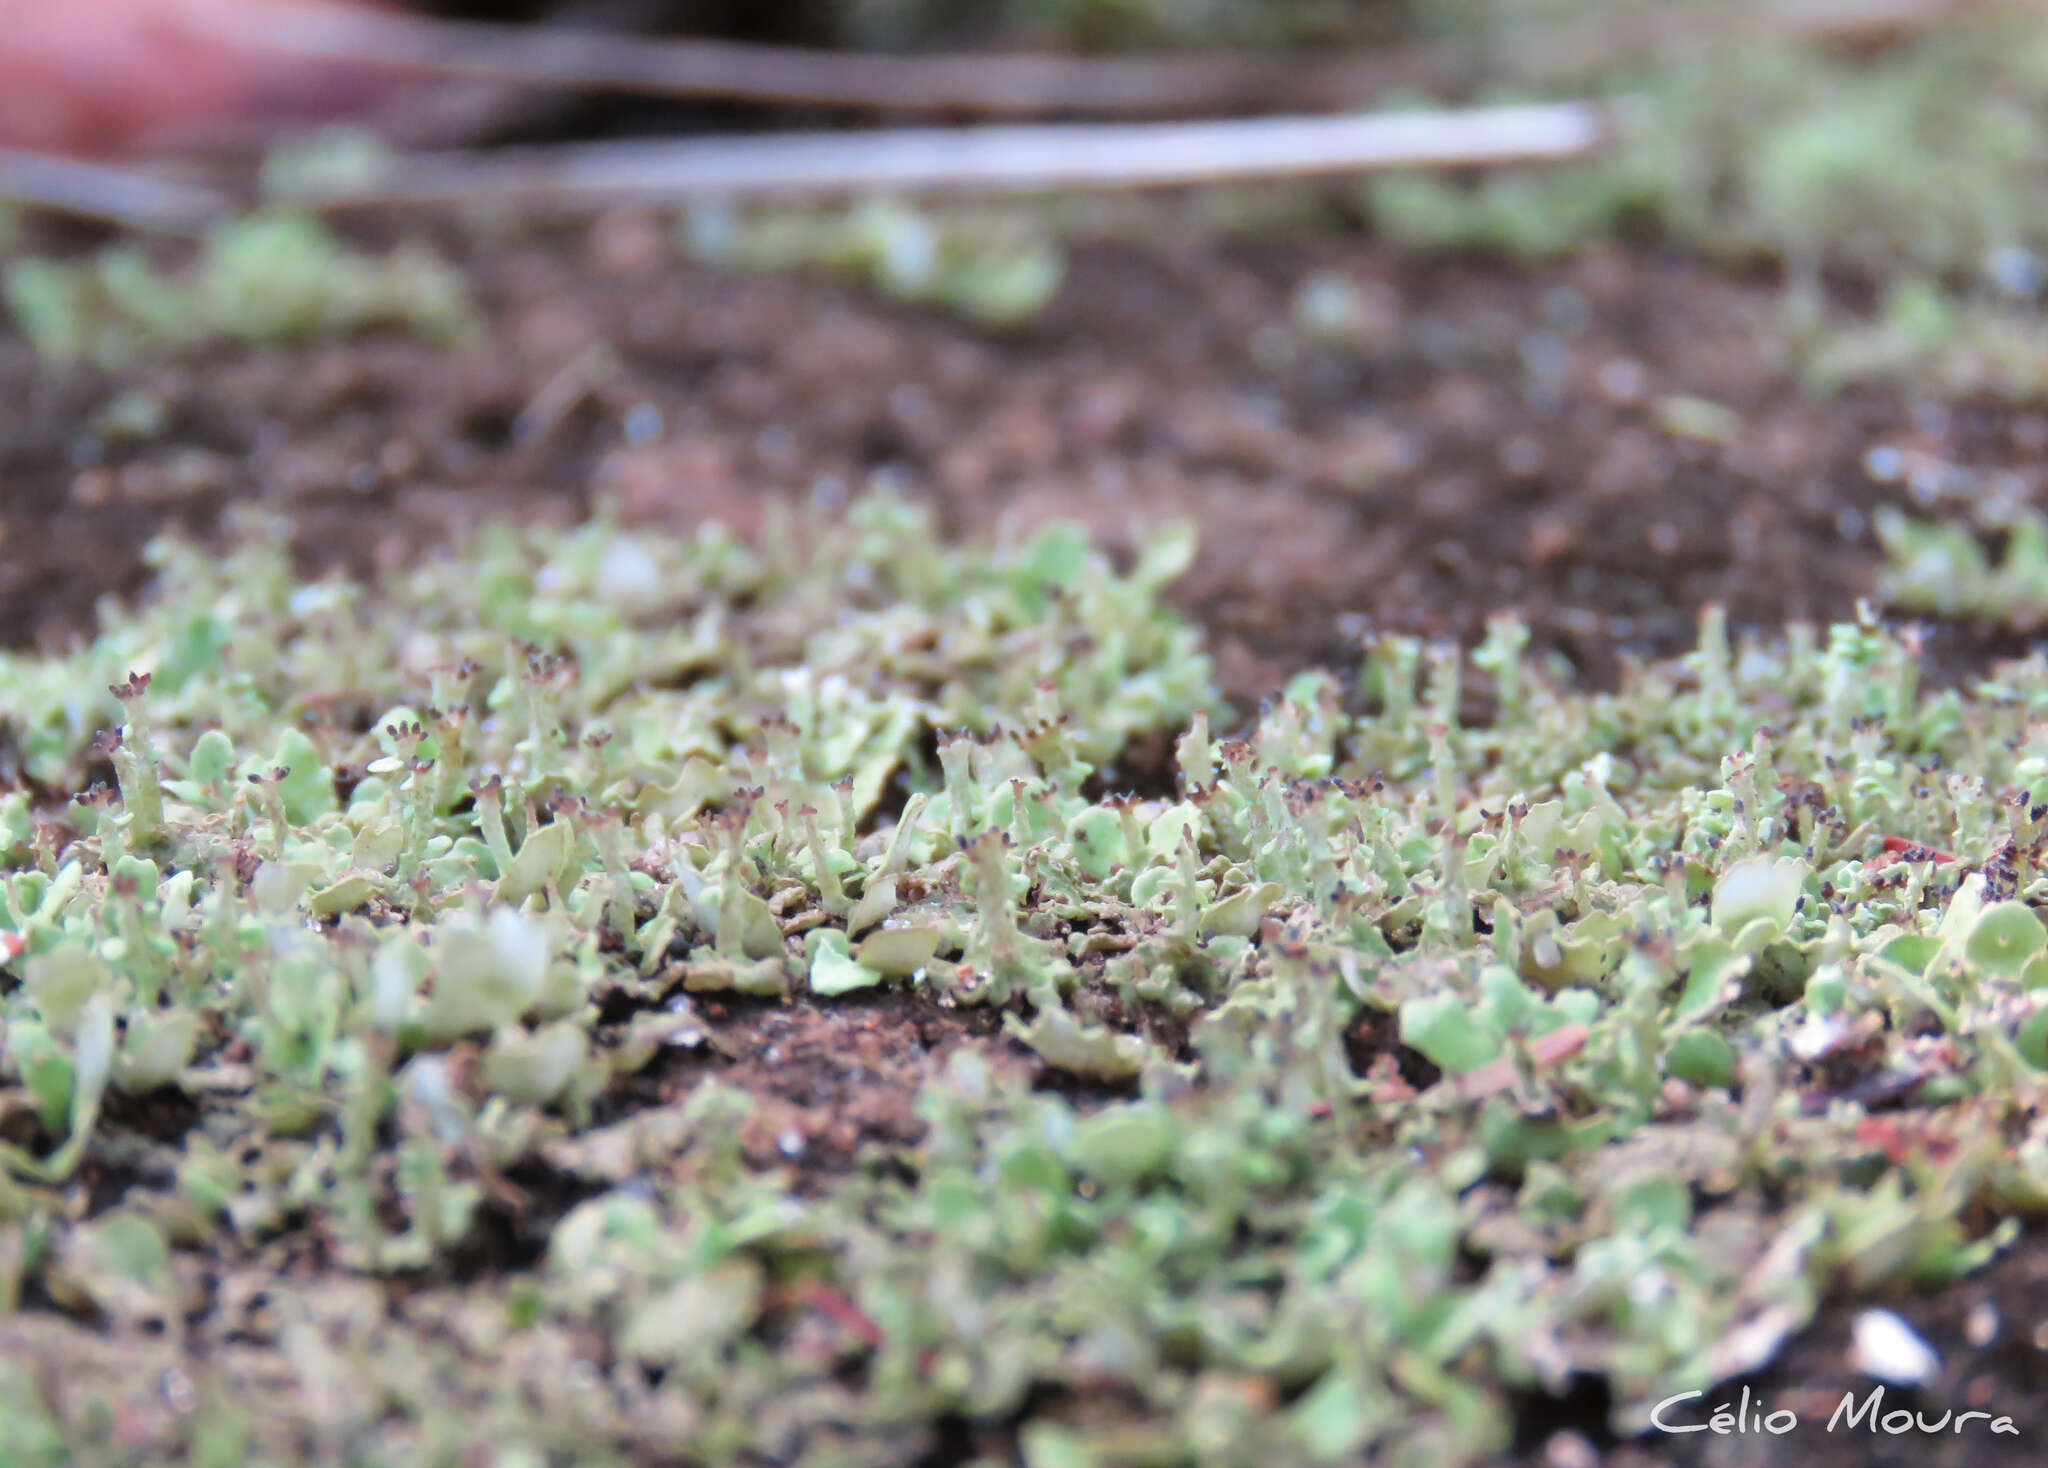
(1490, 440)
(828, 1079)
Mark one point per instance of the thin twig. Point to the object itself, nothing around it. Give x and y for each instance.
(106, 193)
(1042, 85)
(966, 84)
(980, 159)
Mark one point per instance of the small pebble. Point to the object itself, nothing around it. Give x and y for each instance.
(1927, 483)
(775, 443)
(177, 1391)
(627, 573)
(2015, 272)
(1521, 456)
(1932, 420)
(909, 402)
(1819, 1035)
(1567, 309)
(1887, 1349)
(1884, 463)
(1621, 378)
(1568, 1449)
(642, 424)
(1272, 347)
(1546, 357)
(1328, 307)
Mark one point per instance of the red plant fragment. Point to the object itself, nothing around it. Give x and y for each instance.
(114, 77)
(1499, 1075)
(1908, 850)
(828, 1301)
(1904, 1136)
(1545, 1051)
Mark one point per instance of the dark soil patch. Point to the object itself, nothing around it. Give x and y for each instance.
(827, 1079)
(162, 1115)
(513, 1222)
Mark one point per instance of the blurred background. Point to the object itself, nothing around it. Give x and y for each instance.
(121, 73)
(1774, 338)
(104, 74)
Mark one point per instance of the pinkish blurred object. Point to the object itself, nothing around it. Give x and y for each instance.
(109, 78)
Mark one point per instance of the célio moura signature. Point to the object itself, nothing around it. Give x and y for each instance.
(1744, 1416)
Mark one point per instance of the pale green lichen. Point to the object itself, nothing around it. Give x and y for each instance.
(260, 278)
(404, 935)
(996, 267)
(1942, 568)
(1918, 159)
